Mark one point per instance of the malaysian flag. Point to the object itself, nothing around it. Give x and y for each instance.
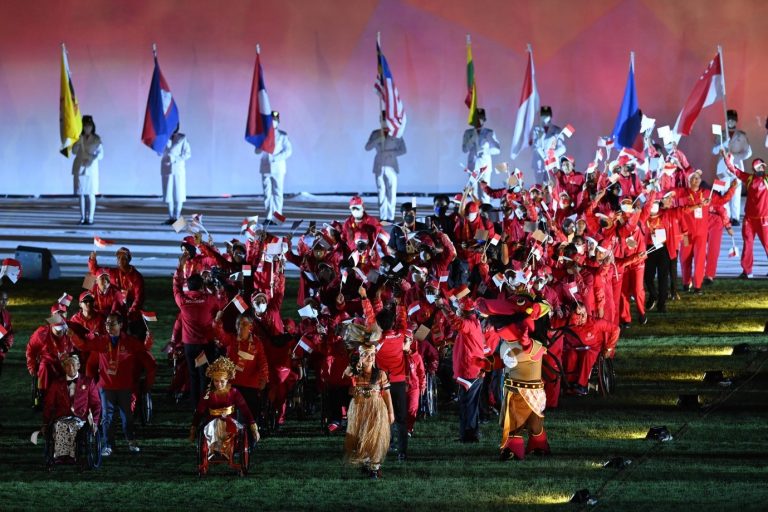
(389, 95)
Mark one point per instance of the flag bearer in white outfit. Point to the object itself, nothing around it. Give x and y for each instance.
(480, 144)
(543, 138)
(273, 171)
(173, 171)
(85, 169)
(385, 167)
(737, 144)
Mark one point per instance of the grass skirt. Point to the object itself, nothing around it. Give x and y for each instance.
(367, 439)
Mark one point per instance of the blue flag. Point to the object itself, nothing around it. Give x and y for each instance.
(162, 116)
(627, 126)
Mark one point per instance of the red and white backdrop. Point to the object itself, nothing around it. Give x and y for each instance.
(319, 63)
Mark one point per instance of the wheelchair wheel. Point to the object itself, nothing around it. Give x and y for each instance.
(297, 401)
(552, 370)
(199, 440)
(432, 395)
(93, 448)
(606, 375)
(245, 455)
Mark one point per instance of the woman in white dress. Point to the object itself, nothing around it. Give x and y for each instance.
(85, 169)
(174, 174)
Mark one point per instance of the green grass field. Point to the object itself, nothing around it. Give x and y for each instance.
(717, 460)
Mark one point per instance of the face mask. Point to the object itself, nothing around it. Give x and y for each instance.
(440, 210)
(546, 119)
(626, 208)
(567, 169)
(580, 249)
(260, 308)
(425, 256)
(358, 214)
(58, 331)
(654, 208)
(472, 216)
(361, 246)
(409, 219)
(431, 298)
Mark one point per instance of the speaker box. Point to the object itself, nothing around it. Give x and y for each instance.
(37, 263)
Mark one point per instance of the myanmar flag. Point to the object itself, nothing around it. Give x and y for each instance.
(70, 120)
(471, 99)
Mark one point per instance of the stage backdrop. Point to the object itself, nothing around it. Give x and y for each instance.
(319, 64)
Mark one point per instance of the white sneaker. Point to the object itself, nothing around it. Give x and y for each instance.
(133, 447)
(106, 451)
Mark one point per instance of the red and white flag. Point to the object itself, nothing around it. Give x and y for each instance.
(526, 110)
(569, 130)
(443, 278)
(413, 309)
(708, 89)
(149, 316)
(11, 269)
(384, 236)
(279, 217)
(466, 384)
(550, 163)
(304, 345)
(65, 299)
(101, 242)
(240, 303)
(719, 186)
(246, 270)
(495, 239)
(3, 332)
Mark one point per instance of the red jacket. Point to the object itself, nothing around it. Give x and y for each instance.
(249, 357)
(108, 302)
(417, 377)
(130, 283)
(59, 402)
(469, 347)
(197, 311)
(44, 347)
(5, 321)
(757, 193)
(118, 364)
(390, 356)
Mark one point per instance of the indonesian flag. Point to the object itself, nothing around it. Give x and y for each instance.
(260, 128)
(3, 332)
(443, 277)
(498, 279)
(11, 269)
(279, 217)
(708, 89)
(384, 237)
(246, 270)
(70, 119)
(101, 242)
(471, 99)
(65, 299)
(719, 186)
(551, 162)
(495, 239)
(394, 113)
(569, 130)
(526, 110)
(149, 316)
(304, 345)
(240, 303)
(413, 309)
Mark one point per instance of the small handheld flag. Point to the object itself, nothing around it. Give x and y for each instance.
(65, 299)
(101, 242)
(568, 131)
(149, 316)
(240, 303)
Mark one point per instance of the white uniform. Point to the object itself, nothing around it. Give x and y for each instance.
(85, 168)
(386, 169)
(739, 147)
(273, 173)
(542, 139)
(480, 145)
(173, 171)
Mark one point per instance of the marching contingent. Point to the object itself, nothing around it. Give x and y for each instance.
(500, 309)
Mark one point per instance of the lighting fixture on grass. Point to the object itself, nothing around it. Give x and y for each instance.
(660, 433)
(582, 496)
(617, 463)
(741, 349)
(688, 401)
(713, 376)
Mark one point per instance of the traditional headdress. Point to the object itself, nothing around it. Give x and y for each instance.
(221, 367)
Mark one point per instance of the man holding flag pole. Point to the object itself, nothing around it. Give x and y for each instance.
(272, 145)
(388, 140)
(479, 143)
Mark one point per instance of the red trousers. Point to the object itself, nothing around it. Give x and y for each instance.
(753, 226)
(714, 241)
(281, 381)
(616, 286)
(414, 397)
(693, 257)
(632, 285)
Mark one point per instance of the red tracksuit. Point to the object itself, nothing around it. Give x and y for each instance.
(718, 221)
(84, 398)
(696, 225)
(417, 384)
(755, 215)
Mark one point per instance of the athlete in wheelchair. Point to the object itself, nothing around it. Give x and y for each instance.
(588, 348)
(71, 418)
(220, 438)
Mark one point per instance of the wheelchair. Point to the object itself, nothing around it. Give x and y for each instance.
(206, 456)
(428, 402)
(144, 408)
(87, 453)
(602, 375)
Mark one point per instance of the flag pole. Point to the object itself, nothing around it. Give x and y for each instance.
(258, 49)
(154, 49)
(722, 77)
(378, 77)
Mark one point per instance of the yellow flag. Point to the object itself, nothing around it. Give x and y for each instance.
(70, 119)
